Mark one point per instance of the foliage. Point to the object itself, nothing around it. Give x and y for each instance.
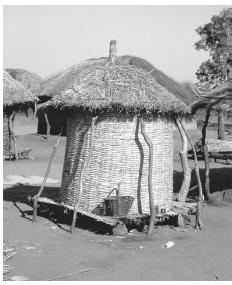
(214, 39)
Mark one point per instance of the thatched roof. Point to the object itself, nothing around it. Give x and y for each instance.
(59, 82)
(221, 96)
(14, 93)
(28, 79)
(118, 87)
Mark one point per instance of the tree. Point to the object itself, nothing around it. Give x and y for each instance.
(214, 39)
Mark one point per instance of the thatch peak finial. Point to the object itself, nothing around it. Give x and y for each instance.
(112, 51)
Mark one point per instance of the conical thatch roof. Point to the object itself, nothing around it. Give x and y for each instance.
(122, 84)
(220, 96)
(14, 93)
(59, 82)
(118, 87)
(28, 79)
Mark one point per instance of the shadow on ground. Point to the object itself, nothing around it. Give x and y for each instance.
(220, 180)
(22, 194)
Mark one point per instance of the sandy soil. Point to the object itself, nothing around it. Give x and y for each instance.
(47, 249)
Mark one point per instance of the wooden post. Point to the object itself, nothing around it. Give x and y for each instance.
(206, 156)
(47, 124)
(35, 113)
(12, 135)
(221, 128)
(77, 203)
(184, 162)
(199, 223)
(36, 197)
(150, 190)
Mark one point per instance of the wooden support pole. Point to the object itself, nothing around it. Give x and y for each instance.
(184, 162)
(36, 197)
(77, 203)
(35, 113)
(199, 223)
(206, 156)
(150, 190)
(47, 124)
(12, 135)
(221, 128)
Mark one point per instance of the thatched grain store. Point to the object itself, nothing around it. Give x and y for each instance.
(15, 99)
(119, 132)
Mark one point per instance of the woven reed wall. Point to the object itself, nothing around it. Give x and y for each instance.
(6, 138)
(119, 154)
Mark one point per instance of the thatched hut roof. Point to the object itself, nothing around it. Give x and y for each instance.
(62, 80)
(115, 83)
(221, 96)
(118, 87)
(28, 79)
(14, 93)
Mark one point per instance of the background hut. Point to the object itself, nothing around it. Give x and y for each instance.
(63, 80)
(119, 130)
(15, 99)
(29, 80)
(25, 124)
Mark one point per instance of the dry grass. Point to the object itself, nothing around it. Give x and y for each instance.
(62, 80)
(118, 87)
(29, 80)
(14, 93)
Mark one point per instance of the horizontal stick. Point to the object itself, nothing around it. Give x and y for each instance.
(9, 256)
(77, 272)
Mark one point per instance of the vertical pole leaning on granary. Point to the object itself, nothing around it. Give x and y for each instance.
(200, 197)
(36, 197)
(76, 206)
(150, 171)
(184, 162)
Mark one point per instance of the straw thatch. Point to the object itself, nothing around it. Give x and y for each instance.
(218, 97)
(28, 79)
(14, 93)
(118, 87)
(59, 82)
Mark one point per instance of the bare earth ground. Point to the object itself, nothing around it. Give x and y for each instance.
(46, 250)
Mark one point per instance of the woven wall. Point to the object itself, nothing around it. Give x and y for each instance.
(119, 154)
(5, 136)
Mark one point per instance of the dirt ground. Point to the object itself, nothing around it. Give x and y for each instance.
(48, 250)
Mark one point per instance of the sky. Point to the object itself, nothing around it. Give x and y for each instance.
(45, 39)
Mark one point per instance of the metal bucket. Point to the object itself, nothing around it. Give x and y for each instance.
(118, 206)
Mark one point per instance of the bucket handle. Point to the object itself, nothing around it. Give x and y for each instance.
(118, 198)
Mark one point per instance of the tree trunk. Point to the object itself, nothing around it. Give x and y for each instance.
(221, 129)
(184, 162)
(206, 156)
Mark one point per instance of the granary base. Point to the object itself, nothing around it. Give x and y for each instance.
(177, 208)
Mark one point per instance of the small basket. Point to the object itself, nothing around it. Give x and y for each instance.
(118, 205)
